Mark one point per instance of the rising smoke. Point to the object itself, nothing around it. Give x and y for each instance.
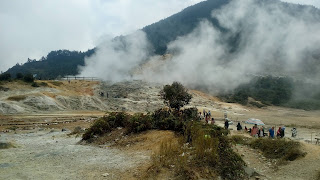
(272, 38)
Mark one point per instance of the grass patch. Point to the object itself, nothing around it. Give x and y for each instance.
(44, 84)
(162, 119)
(13, 128)
(278, 148)
(17, 98)
(318, 175)
(239, 139)
(56, 83)
(202, 152)
(4, 88)
(77, 130)
(34, 84)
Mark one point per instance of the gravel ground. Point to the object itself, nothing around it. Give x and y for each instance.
(50, 154)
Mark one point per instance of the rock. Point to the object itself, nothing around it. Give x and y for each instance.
(105, 174)
(250, 172)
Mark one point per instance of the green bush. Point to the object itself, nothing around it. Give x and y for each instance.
(190, 114)
(208, 151)
(19, 76)
(231, 165)
(175, 95)
(99, 127)
(239, 139)
(278, 148)
(118, 119)
(5, 77)
(34, 84)
(43, 84)
(318, 175)
(28, 78)
(138, 123)
(171, 119)
(5, 145)
(106, 124)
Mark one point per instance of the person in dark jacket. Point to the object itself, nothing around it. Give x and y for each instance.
(226, 124)
(261, 132)
(239, 127)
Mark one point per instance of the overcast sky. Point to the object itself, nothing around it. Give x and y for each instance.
(32, 28)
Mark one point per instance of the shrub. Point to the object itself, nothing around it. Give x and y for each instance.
(231, 165)
(239, 139)
(106, 124)
(17, 98)
(175, 95)
(204, 153)
(190, 114)
(138, 123)
(4, 145)
(118, 119)
(5, 77)
(34, 84)
(167, 119)
(28, 78)
(99, 127)
(77, 130)
(278, 148)
(318, 175)
(19, 76)
(43, 84)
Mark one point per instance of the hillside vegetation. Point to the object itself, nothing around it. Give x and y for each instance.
(279, 91)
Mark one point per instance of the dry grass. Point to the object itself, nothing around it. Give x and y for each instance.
(77, 131)
(282, 149)
(56, 83)
(206, 155)
(318, 175)
(17, 98)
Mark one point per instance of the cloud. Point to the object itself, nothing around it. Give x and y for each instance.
(31, 29)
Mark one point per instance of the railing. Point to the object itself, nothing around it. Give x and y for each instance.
(80, 78)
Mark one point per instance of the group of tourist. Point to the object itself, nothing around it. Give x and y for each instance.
(259, 132)
(206, 116)
(255, 131)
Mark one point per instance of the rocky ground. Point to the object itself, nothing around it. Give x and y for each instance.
(32, 120)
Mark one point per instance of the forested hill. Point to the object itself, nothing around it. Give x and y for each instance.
(64, 62)
(167, 30)
(56, 63)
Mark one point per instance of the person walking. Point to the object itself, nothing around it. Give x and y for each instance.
(226, 124)
(254, 131)
(279, 132)
(271, 132)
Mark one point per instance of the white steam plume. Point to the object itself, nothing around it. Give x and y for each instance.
(271, 40)
(115, 58)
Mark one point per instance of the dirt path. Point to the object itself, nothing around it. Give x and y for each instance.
(51, 154)
(301, 169)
